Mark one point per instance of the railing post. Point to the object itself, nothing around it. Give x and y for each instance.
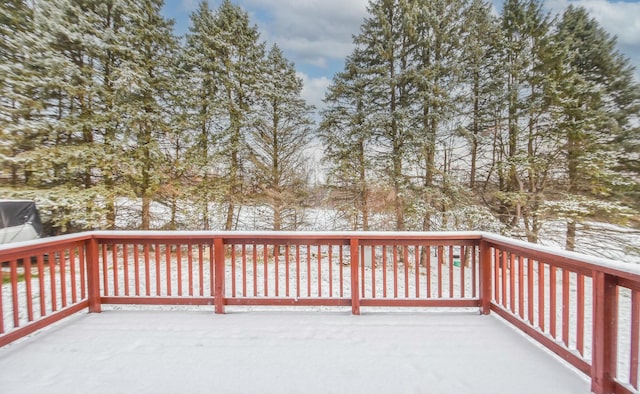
(605, 329)
(354, 248)
(485, 277)
(93, 275)
(219, 268)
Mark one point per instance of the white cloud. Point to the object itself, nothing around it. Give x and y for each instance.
(314, 89)
(314, 31)
(619, 18)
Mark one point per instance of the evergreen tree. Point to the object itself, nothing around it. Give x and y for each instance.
(437, 53)
(146, 89)
(277, 137)
(384, 47)
(346, 139)
(239, 68)
(202, 71)
(597, 100)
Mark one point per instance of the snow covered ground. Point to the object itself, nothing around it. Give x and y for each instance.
(281, 352)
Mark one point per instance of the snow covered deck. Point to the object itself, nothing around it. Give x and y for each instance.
(124, 351)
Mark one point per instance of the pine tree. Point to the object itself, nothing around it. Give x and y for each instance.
(525, 148)
(202, 70)
(597, 99)
(346, 138)
(385, 49)
(146, 89)
(239, 62)
(438, 46)
(278, 134)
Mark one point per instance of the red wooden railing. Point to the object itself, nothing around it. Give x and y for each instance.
(586, 310)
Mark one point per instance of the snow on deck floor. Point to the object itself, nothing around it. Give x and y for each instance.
(282, 352)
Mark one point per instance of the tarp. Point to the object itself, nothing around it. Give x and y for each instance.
(19, 221)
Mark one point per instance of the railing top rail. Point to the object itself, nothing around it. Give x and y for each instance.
(578, 260)
(369, 235)
(42, 244)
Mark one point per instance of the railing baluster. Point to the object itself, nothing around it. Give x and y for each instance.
(179, 267)
(635, 338)
(136, 268)
(450, 271)
(13, 276)
(233, 272)
(298, 271)
(319, 258)
(417, 269)
(244, 270)
(440, 264)
(167, 264)
(384, 271)
(496, 274)
(255, 269)
(521, 287)
(63, 278)
(362, 271)
(29, 290)
(125, 266)
(541, 295)
(201, 270)
(114, 260)
(72, 273)
(341, 265)
(474, 269)
(265, 258)
(190, 267)
(580, 314)
(552, 301)
(52, 285)
(462, 270)
(308, 270)
(158, 269)
(427, 252)
(147, 270)
(330, 262)
(565, 306)
(276, 264)
(43, 293)
(530, 316)
(105, 270)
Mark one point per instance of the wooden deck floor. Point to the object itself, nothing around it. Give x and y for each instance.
(282, 352)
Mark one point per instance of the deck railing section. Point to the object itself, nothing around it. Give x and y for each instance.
(41, 285)
(587, 313)
(585, 310)
(288, 270)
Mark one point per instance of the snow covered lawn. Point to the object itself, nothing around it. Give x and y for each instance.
(281, 352)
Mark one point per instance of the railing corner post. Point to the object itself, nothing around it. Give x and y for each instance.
(354, 248)
(219, 268)
(93, 275)
(605, 329)
(485, 278)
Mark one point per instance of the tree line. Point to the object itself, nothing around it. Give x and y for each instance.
(463, 119)
(101, 103)
(445, 116)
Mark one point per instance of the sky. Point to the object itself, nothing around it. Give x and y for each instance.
(317, 35)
